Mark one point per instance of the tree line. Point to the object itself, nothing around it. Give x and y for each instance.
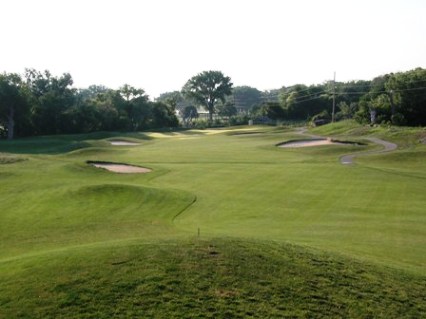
(396, 98)
(38, 103)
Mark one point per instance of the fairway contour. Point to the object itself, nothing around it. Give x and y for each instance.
(120, 167)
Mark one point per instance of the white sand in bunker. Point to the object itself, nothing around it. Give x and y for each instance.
(309, 143)
(121, 168)
(123, 143)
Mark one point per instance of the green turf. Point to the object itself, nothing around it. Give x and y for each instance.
(216, 278)
(68, 229)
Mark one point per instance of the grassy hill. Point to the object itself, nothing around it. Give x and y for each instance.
(282, 232)
(214, 278)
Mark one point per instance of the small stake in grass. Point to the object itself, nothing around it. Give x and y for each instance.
(198, 232)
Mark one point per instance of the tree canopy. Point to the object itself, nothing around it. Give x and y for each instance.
(207, 88)
(38, 102)
(13, 102)
(41, 103)
(246, 97)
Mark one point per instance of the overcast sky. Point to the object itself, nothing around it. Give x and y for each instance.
(158, 45)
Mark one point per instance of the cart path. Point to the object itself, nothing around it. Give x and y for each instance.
(349, 158)
(387, 147)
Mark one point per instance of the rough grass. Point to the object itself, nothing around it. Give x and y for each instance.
(404, 136)
(216, 278)
(9, 159)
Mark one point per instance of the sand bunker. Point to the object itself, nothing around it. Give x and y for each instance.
(120, 168)
(123, 143)
(309, 143)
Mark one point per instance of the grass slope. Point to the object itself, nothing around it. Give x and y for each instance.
(216, 278)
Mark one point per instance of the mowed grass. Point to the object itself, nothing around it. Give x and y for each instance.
(81, 242)
(215, 278)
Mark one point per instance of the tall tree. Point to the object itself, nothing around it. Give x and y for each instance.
(188, 114)
(273, 110)
(407, 97)
(13, 100)
(227, 109)
(163, 115)
(246, 97)
(136, 106)
(52, 98)
(207, 88)
(302, 102)
(173, 99)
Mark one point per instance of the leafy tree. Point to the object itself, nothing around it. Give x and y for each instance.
(163, 115)
(136, 106)
(271, 96)
(13, 101)
(91, 93)
(227, 109)
(99, 104)
(407, 96)
(321, 118)
(207, 88)
(246, 97)
(173, 99)
(381, 106)
(302, 102)
(273, 110)
(366, 105)
(130, 93)
(347, 111)
(349, 92)
(83, 118)
(189, 113)
(51, 98)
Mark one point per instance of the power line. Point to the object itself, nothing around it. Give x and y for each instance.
(307, 100)
(359, 93)
(380, 91)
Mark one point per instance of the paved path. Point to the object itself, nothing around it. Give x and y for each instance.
(387, 147)
(349, 159)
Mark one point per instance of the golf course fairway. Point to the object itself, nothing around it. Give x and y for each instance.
(222, 224)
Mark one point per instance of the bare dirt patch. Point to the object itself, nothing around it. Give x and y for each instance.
(120, 168)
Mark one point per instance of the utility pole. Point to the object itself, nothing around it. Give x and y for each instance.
(334, 98)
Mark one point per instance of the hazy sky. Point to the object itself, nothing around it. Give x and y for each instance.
(158, 45)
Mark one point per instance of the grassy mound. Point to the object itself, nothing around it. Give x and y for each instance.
(79, 215)
(217, 278)
(403, 136)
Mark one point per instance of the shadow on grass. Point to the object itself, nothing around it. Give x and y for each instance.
(60, 144)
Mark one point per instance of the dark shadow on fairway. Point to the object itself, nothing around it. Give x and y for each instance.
(60, 144)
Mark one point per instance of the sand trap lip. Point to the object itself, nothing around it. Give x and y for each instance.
(120, 167)
(309, 143)
(123, 143)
